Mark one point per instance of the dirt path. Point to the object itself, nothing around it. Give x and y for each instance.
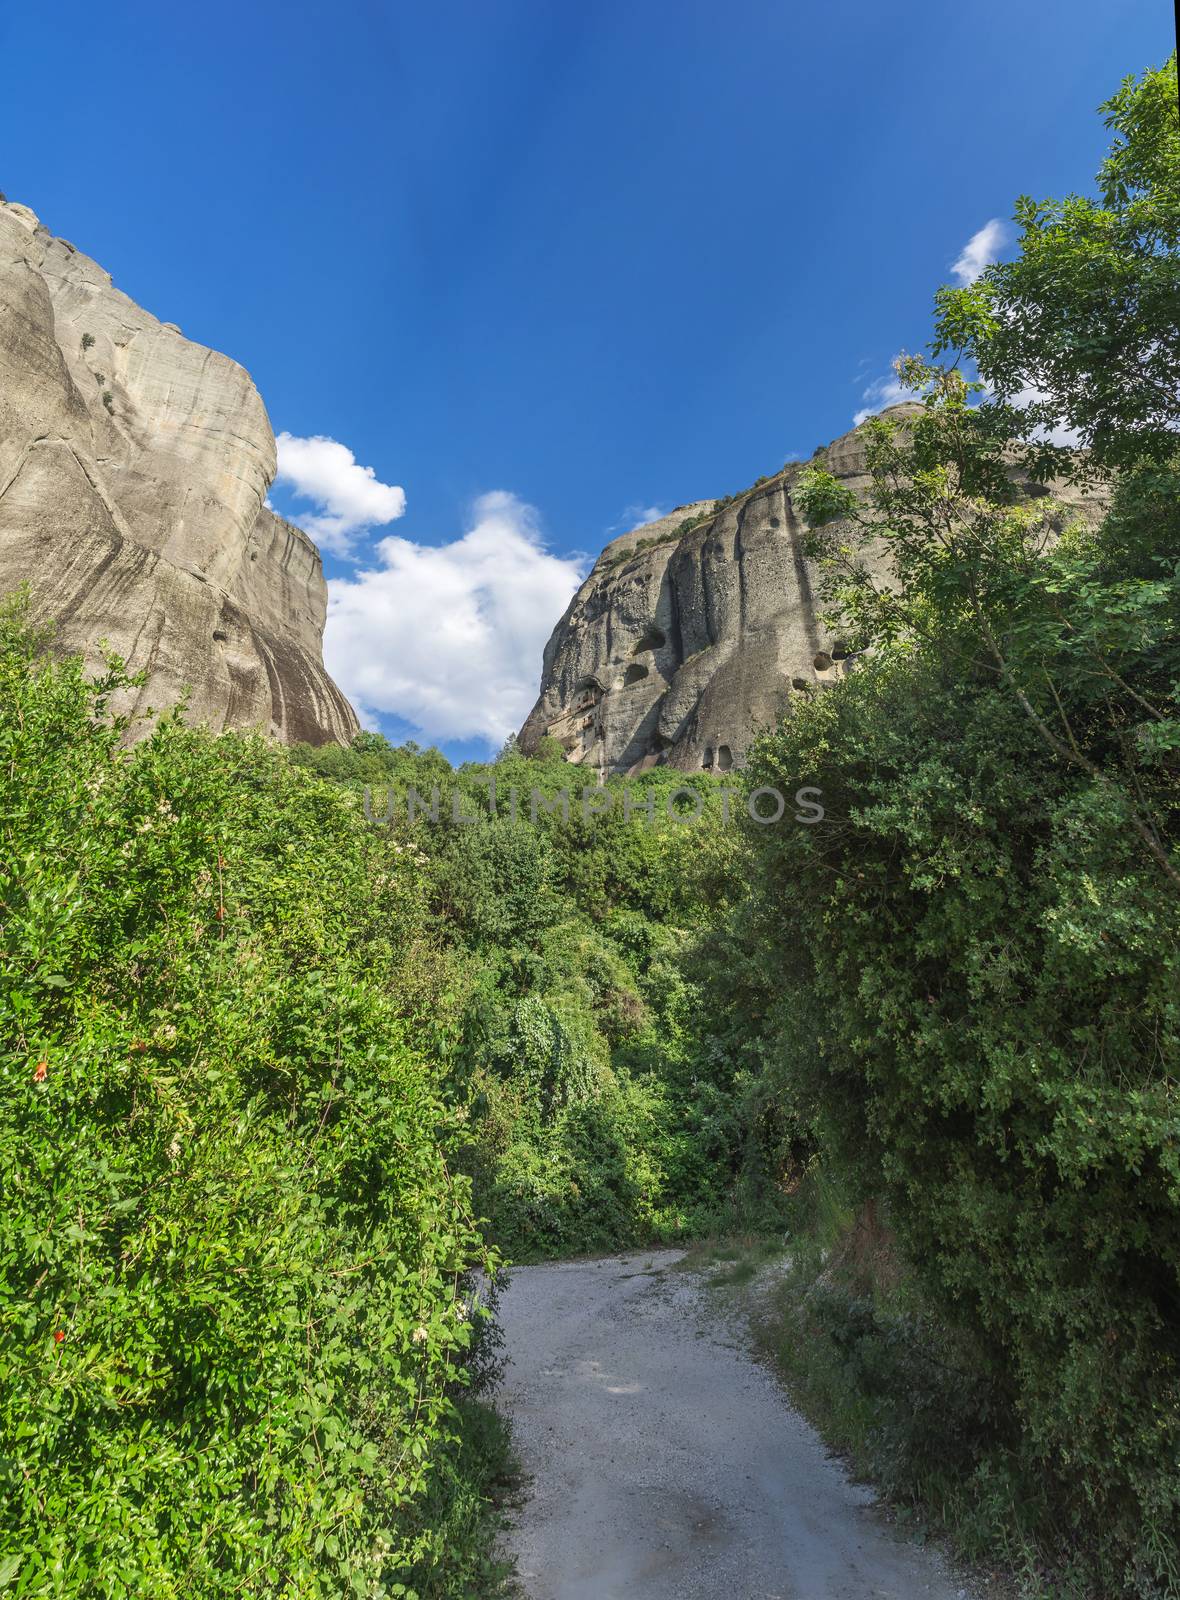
(668, 1465)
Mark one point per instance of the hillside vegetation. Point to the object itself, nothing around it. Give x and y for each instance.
(236, 1307)
(565, 921)
(971, 1032)
(280, 1086)
(288, 1072)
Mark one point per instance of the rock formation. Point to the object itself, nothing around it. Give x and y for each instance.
(134, 466)
(691, 634)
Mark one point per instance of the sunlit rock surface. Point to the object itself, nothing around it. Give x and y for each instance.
(134, 466)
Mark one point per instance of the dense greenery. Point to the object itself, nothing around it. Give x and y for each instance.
(235, 1309)
(973, 1030)
(268, 1056)
(286, 1066)
(568, 1014)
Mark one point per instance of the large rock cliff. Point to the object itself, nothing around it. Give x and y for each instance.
(134, 466)
(692, 634)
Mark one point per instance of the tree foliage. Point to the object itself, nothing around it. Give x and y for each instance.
(282, 1065)
(1081, 330)
(975, 1024)
(234, 1307)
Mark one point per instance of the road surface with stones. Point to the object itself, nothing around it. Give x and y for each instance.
(664, 1463)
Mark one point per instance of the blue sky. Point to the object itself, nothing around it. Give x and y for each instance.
(541, 265)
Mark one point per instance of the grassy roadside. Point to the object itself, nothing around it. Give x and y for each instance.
(477, 1476)
(892, 1391)
(461, 1520)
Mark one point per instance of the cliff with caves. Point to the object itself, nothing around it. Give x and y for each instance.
(134, 466)
(694, 633)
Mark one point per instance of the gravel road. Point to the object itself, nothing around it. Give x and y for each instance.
(666, 1464)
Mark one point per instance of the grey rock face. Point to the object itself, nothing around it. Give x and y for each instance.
(680, 648)
(134, 466)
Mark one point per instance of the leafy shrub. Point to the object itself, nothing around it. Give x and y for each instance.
(985, 957)
(974, 1021)
(234, 1302)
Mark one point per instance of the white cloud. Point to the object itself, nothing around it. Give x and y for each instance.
(349, 497)
(640, 516)
(449, 637)
(981, 249)
(1062, 435)
(979, 252)
(884, 392)
(636, 516)
(880, 393)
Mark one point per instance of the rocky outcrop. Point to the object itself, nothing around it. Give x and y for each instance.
(693, 633)
(134, 466)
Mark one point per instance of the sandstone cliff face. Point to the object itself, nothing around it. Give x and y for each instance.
(680, 649)
(133, 469)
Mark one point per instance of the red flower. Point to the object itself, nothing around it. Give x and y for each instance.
(58, 1336)
(41, 1072)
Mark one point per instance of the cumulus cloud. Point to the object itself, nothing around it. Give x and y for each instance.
(635, 516)
(979, 252)
(348, 498)
(884, 392)
(449, 637)
(880, 393)
(981, 249)
(640, 516)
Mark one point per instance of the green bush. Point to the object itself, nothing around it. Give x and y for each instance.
(560, 1011)
(234, 1256)
(973, 1019)
(989, 962)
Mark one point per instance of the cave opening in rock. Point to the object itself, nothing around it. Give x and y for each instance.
(634, 674)
(652, 639)
(724, 758)
(588, 692)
